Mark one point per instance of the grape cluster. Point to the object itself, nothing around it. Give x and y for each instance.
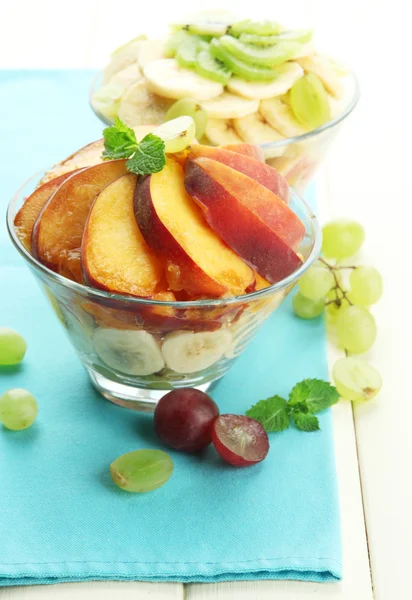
(344, 293)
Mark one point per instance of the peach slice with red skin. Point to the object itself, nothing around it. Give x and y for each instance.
(58, 231)
(247, 149)
(259, 171)
(265, 204)
(115, 256)
(26, 217)
(195, 258)
(237, 223)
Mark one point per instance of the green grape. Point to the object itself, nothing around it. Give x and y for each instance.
(309, 101)
(190, 108)
(244, 70)
(316, 282)
(356, 329)
(342, 238)
(12, 347)
(141, 470)
(18, 409)
(261, 57)
(207, 66)
(306, 308)
(338, 303)
(177, 134)
(366, 286)
(356, 379)
(303, 36)
(255, 28)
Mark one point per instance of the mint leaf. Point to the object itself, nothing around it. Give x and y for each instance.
(315, 394)
(119, 141)
(149, 156)
(305, 421)
(272, 413)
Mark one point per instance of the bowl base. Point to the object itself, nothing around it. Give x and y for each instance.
(127, 396)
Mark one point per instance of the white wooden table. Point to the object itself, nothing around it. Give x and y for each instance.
(367, 176)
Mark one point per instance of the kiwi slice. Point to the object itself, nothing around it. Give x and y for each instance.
(242, 69)
(255, 28)
(302, 36)
(271, 56)
(186, 54)
(211, 68)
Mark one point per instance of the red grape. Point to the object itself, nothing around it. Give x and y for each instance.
(239, 440)
(183, 419)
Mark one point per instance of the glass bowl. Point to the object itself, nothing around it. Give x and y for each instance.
(296, 158)
(136, 349)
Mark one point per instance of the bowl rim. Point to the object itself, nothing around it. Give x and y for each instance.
(351, 104)
(316, 236)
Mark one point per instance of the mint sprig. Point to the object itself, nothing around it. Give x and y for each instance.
(145, 157)
(308, 397)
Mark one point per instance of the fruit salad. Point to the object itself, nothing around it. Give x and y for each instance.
(170, 244)
(241, 81)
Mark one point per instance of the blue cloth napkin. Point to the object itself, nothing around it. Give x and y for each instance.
(61, 517)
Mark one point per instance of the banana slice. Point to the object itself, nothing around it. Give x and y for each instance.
(220, 132)
(229, 106)
(139, 106)
(107, 99)
(166, 78)
(253, 129)
(280, 116)
(130, 352)
(324, 69)
(150, 50)
(188, 352)
(126, 77)
(79, 326)
(307, 49)
(122, 58)
(288, 74)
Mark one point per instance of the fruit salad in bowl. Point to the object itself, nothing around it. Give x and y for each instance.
(241, 81)
(161, 256)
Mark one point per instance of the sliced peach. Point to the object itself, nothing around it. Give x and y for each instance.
(115, 256)
(196, 259)
(264, 203)
(85, 157)
(57, 233)
(259, 171)
(26, 217)
(237, 224)
(248, 150)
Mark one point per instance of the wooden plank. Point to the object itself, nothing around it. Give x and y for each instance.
(96, 590)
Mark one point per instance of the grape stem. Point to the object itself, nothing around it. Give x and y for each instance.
(337, 287)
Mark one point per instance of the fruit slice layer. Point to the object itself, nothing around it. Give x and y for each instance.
(188, 352)
(115, 256)
(130, 352)
(197, 260)
(267, 205)
(27, 215)
(166, 78)
(237, 224)
(58, 231)
(288, 73)
(254, 169)
(85, 157)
